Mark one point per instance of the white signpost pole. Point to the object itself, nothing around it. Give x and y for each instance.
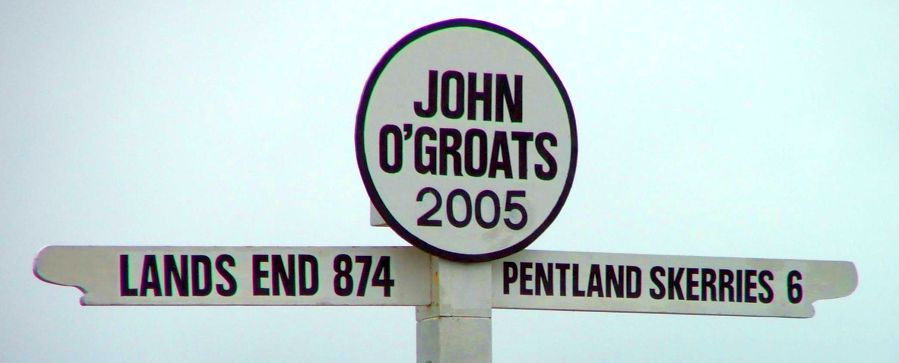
(456, 326)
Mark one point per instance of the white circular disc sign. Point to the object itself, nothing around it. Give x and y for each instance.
(466, 140)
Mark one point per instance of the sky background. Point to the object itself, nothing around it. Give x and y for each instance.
(759, 129)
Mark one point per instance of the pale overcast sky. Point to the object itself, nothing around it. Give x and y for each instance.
(742, 129)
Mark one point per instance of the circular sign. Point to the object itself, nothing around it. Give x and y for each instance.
(466, 140)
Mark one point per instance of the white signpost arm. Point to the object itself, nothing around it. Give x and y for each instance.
(456, 327)
(224, 275)
(591, 281)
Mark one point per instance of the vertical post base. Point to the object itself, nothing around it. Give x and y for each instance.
(456, 327)
(453, 339)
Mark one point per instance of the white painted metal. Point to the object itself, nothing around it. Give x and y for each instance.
(819, 280)
(456, 326)
(97, 272)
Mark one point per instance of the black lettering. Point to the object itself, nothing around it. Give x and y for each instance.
(174, 275)
(750, 285)
(523, 138)
(615, 281)
(726, 284)
(258, 274)
(284, 276)
(765, 277)
(551, 169)
(504, 98)
(391, 132)
(692, 284)
(308, 281)
(432, 97)
(544, 279)
(125, 288)
(149, 279)
(794, 287)
(445, 94)
(484, 96)
(470, 143)
(425, 219)
(708, 284)
(499, 156)
(382, 275)
(674, 287)
(563, 270)
(366, 271)
(343, 278)
(575, 285)
(201, 265)
(657, 292)
(510, 275)
(423, 166)
(525, 277)
(220, 263)
(635, 282)
(450, 149)
(594, 283)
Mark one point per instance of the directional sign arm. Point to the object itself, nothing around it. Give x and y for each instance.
(401, 276)
(63, 266)
(668, 284)
(239, 275)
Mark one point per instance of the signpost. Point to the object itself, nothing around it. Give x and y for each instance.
(467, 145)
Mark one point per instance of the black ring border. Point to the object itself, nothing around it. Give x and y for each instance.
(362, 161)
